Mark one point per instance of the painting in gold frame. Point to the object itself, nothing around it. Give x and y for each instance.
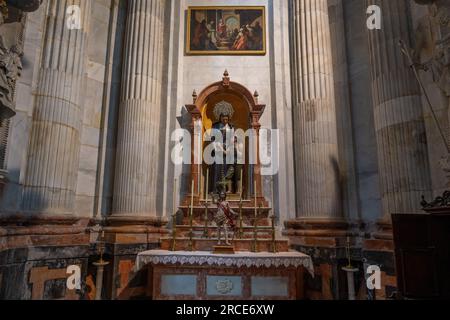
(228, 30)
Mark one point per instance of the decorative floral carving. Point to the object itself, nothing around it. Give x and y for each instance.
(11, 51)
(3, 11)
(439, 202)
(224, 286)
(432, 51)
(25, 5)
(10, 72)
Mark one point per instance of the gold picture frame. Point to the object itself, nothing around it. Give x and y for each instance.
(226, 30)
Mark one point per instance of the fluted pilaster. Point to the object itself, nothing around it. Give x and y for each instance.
(315, 135)
(135, 187)
(400, 130)
(53, 154)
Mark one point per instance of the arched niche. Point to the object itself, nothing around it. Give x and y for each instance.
(248, 112)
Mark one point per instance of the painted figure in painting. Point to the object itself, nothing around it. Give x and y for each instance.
(241, 42)
(222, 29)
(200, 36)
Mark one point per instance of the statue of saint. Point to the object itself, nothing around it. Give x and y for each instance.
(224, 218)
(224, 172)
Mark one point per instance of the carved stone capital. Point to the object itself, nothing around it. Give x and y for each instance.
(25, 5)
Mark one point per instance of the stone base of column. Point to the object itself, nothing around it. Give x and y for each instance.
(378, 250)
(126, 236)
(127, 229)
(23, 231)
(325, 241)
(317, 232)
(382, 239)
(37, 250)
(330, 242)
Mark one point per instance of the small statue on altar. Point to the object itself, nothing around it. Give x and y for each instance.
(224, 218)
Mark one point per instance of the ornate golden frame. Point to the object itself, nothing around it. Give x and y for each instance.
(227, 52)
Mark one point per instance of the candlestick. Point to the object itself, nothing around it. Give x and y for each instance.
(174, 232)
(256, 199)
(241, 233)
(100, 265)
(274, 243)
(241, 186)
(174, 217)
(207, 184)
(273, 198)
(191, 244)
(348, 254)
(205, 229)
(255, 233)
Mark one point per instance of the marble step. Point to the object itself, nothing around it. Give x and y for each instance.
(199, 244)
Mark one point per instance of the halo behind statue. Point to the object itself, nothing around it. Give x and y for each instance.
(223, 108)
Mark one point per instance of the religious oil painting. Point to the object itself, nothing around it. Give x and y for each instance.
(226, 31)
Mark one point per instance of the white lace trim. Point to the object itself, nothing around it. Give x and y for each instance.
(241, 259)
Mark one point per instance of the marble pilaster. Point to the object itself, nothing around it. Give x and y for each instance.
(53, 154)
(400, 130)
(315, 133)
(135, 187)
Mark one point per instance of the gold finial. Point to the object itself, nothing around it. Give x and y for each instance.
(256, 95)
(226, 79)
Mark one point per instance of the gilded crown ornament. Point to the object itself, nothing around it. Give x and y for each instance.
(223, 108)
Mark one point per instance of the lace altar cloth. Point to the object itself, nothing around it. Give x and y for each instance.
(240, 259)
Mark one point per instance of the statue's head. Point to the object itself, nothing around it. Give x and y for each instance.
(222, 196)
(223, 112)
(224, 119)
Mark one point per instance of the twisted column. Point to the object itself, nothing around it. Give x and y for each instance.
(135, 186)
(53, 155)
(315, 133)
(400, 130)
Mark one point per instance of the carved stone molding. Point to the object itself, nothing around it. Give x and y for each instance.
(12, 24)
(438, 205)
(25, 6)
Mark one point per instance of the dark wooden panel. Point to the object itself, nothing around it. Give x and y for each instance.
(422, 251)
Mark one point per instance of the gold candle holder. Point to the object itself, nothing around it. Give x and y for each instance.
(255, 223)
(174, 232)
(205, 228)
(191, 220)
(100, 265)
(241, 230)
(347, 249)
(274, 243)
(174, 217)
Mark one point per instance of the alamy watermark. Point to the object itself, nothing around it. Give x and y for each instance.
(228, 147)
